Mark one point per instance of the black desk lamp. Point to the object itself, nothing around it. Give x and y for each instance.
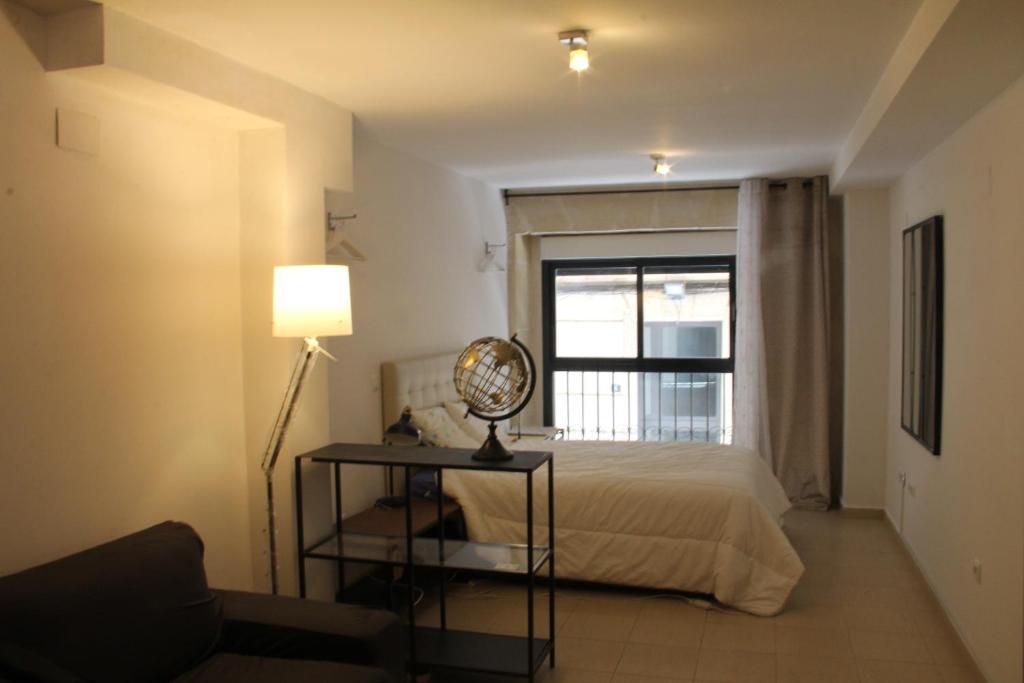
(401, 433)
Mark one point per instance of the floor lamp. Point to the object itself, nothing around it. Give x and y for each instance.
(309, 302)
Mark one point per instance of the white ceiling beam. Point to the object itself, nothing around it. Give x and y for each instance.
(955, 57)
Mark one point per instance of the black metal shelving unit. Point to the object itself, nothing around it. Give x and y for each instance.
(443, 647)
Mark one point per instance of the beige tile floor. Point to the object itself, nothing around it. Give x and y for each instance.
(861, 614)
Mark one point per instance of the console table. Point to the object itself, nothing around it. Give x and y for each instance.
(443, 647)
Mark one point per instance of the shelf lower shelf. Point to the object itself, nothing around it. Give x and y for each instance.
(503, 558)
(481, 652)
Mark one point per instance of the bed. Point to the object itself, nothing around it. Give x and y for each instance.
(690, 517)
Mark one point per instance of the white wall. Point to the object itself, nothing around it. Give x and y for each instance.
(866, 357)
(151, 264)
(968, 503)
(294, 145)
(422, 229)
(120, 367)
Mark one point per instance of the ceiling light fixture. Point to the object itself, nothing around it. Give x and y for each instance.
(661, 167)
(577, 42)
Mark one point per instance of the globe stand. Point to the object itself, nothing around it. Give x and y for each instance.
(492, 450)
(496, 379)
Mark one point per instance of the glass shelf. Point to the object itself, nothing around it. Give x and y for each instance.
(481, 652)
(500, 558)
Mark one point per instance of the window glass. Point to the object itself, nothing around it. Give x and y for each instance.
(686, 313)
(595, 313)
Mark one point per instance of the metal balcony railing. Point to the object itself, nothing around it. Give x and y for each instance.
(643, 406)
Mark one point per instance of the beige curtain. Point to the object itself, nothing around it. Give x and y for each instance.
(531, 217)
(782, 393)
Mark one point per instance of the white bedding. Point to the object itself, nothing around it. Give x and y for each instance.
(679, 516)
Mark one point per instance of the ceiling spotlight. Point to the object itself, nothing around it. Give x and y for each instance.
(661, 167)
(576, 41)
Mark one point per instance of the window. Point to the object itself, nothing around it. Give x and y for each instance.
(640, 349)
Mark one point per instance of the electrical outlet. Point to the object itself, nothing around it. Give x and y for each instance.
(976, 569)
(905, 482)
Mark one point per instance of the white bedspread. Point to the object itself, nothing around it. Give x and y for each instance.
(680, 516)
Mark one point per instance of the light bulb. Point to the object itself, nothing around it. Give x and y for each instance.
(661, 166)
(579, 60)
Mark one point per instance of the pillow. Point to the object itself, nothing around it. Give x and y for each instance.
(438, 429)
(471, 424)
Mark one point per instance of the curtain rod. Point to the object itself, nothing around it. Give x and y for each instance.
(624, 231)
(509, 194)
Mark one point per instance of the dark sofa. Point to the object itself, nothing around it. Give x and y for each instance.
(139, 609)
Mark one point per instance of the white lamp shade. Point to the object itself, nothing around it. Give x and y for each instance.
(312, 301)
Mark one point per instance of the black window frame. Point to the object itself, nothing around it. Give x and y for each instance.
(553, 364)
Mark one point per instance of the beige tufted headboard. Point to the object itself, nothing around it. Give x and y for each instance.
(421, 382)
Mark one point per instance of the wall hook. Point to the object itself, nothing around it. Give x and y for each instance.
(332, 219)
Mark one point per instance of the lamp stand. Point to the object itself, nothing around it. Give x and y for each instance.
(303, 365)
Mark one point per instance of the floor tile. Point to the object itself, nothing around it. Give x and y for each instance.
(590, 655)
(513, 621)
(611, 605)
(813, 642)
(735, 667)
(684, 627)
(802, 615)
(670, 607)
(817, 593)
(947, 648)
(563, 674)
(921, 598)
(893, 647)
(631, 678)
(876, 574)
(731, 616)
(565, 599)
(874, 596)
(897, 672)
(563, 603)
(661, 661)
(582, 624)
(750, 635)
(931, 622)
(883, 619)
(808, 669)
(470, 614)
(861, 614)
(956, 674)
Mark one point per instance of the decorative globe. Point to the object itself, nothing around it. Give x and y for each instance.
(496, 378)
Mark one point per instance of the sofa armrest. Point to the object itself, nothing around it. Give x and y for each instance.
(292, 628)
(19, 664)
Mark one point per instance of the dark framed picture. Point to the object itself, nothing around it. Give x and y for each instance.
(921, 410)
